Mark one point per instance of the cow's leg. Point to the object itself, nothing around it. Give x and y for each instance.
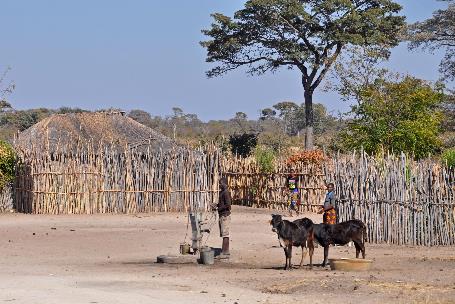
(357, 249)
(359, 246)
(290, 257)
(286, 255)
(362, 247)
(311, 251)
(326, 255)
(303, 255)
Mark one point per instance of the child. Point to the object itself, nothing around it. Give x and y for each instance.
(293, 193)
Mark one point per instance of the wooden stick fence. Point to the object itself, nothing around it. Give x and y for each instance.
(251, 187)
(6, 199)
(107, 180)
(400, 200)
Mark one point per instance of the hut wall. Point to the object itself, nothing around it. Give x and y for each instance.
(108, 181)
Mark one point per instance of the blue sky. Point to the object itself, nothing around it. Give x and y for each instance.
(145, 54)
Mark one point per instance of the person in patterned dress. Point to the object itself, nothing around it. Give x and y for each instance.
(330, 214)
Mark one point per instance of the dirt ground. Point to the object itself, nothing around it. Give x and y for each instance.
(111, 259)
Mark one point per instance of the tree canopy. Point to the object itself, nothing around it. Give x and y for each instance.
(399, 116)
(437, 32)
(304, 34)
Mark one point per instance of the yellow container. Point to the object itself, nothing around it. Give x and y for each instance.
(350, 264)
(185, 248)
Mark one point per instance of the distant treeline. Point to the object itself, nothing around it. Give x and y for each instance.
(406, 115)
(278, 126)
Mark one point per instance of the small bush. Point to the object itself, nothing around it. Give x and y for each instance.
(243, 144)
(265, 158)
(448, 157)
(7, 163)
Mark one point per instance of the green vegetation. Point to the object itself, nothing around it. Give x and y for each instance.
(7, 164)
(265, 158)
(243, 144)
(448, 157)
(437, 33)
(305, 35)
(398, 116)
(350, 40)
(12, 121)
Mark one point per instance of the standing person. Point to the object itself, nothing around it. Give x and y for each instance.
(224, 212)
(293, 193)
(330, 214)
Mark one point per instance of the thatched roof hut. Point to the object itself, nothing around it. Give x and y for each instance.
(94, 129)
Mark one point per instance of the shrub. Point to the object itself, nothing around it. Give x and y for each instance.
(398, 116)
(448, 157)
(7, 163)
(265, 158)
(243, 144)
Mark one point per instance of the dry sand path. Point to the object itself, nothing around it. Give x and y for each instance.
(111, 259)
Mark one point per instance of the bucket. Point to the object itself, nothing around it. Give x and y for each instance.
(184, 248)
(207, 256)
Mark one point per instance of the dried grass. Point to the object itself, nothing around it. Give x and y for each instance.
(64, 130)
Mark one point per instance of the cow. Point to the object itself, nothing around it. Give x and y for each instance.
(297, 233)
(341, 234)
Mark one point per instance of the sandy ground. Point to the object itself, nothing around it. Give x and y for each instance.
(111, 259)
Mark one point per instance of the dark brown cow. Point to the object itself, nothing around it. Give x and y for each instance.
(297, 233)
(341, 234)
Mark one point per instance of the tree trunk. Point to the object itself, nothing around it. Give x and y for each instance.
(309, 120)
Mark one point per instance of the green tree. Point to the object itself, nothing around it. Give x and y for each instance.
(304, 34)
(401, 116)
(289, 113)
(323, 121)
(243, 144)
(141, 116)
(68, 110)
(355, 70)
(267, 114)
(436, 33)
(448, 108)
(241, 121)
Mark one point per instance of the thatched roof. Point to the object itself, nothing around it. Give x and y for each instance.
(71, 130)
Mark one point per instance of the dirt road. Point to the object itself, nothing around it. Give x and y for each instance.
(111, 259)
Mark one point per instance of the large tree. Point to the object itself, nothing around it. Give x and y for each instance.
(305, 34)
(436, 33)
(357, 69)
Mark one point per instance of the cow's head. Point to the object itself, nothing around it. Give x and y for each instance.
(276, 221)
